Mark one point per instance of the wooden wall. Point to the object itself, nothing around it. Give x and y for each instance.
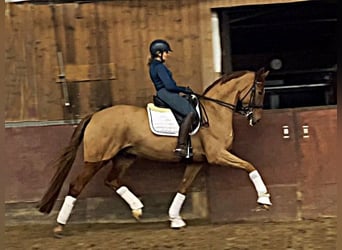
(105, 50)
(299, 170)
(104, 46)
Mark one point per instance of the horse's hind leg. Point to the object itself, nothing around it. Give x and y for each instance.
(113, 181)
(189, 176)
(75, 188)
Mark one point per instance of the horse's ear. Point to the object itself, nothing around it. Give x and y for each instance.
(260, 72)
(265, 74)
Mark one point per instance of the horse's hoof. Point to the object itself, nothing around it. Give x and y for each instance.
(58, 232)
(137, 213)
(177, 223)
(264, 199)
(58, 235)
(262, 207)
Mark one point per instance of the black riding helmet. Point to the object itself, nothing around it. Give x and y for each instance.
(159, 45)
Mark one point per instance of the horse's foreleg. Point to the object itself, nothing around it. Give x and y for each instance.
(260, 187)
(75, 188)
(225, 158)
(113, 180)
(190, 174)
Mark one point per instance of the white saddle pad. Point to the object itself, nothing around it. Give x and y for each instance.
(163, 122)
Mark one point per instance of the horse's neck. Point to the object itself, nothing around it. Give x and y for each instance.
(221, 117)
(229, 91)
(229, 94)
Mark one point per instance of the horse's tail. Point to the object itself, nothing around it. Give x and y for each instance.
(63, 164)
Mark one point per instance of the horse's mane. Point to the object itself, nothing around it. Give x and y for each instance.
(225, 78)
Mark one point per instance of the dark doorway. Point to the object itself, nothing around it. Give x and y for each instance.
(297, 42)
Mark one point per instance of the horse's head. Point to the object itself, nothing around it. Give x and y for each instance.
(240, 91)
(251, 102)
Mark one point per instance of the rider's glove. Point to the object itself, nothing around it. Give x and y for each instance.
(188, 90)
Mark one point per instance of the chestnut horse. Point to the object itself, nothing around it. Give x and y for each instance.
(121, 133)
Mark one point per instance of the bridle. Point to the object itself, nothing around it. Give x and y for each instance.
(245, 110)
(248, 110)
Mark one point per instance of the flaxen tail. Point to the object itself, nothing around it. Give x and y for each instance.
(63, 164)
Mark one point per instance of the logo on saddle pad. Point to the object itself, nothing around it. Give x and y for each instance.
(163, 122)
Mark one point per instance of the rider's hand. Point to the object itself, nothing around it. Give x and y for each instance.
(189, 90)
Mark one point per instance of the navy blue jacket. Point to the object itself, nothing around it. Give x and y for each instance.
(161, 77)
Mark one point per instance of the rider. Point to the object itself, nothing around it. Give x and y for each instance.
(168, 91)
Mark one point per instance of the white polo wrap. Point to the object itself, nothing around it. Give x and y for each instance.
(176, 205)
(130, 198)
(258, 182)
(66, 209)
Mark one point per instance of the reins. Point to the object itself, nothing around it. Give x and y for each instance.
(239, 108)
(219, 102)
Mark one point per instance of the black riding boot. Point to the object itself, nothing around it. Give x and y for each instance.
(184, 130)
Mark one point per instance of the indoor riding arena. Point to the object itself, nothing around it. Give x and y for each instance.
(66, 59)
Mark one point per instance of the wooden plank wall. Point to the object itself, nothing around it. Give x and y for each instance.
(105, 49)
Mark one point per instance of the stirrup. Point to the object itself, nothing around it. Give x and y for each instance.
(181, 152)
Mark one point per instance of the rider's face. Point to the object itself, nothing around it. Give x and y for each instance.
(165, 55)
